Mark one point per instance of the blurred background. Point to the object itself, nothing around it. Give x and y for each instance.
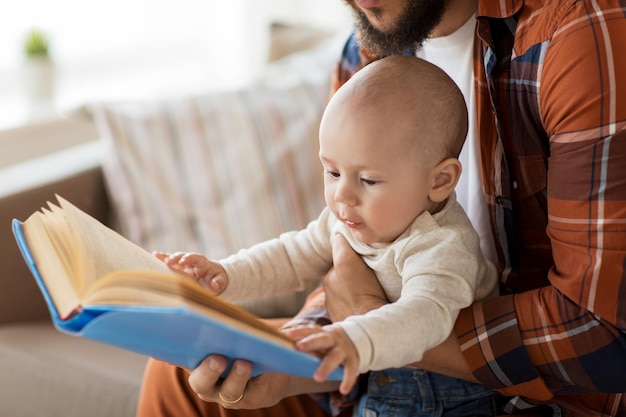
(129, 49)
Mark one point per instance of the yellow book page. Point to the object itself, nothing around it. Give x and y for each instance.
(103, 250)
(67, 247)
(51, 261)
(150, 288)
(72, 250)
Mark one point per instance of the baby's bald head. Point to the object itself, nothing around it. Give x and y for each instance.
(416, 101)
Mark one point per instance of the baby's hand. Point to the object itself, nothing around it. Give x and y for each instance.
(335, 346)
(209, 274)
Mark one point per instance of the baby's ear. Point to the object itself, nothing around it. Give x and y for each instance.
(446, 175)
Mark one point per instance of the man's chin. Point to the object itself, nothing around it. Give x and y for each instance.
(383, 34)
(381, 42)
(381, 22)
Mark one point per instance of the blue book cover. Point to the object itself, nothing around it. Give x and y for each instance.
(180, 334)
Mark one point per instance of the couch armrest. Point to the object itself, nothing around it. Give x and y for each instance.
(80, 182)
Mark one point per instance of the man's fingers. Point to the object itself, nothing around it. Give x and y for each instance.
(342, 251)
(205, 380)
(233, 387)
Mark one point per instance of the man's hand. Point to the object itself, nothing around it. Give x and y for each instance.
(351, 286)
(238, 391)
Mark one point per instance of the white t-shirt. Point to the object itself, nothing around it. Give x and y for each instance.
(453, 54)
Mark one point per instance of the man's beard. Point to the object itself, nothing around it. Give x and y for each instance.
(418, 19)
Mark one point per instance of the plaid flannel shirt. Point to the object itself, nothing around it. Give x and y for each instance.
(550, 82)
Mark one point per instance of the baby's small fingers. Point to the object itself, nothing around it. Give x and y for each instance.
(173, 258)
(319, 341)
(350, 375)
(300, 332)
(161, 256)
(332, 360)
(191, 259)
(170, 259)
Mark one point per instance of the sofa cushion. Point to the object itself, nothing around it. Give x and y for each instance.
(223, 170)
(46, 365)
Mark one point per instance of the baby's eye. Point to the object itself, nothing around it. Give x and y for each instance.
(369, 182)
(332, 174)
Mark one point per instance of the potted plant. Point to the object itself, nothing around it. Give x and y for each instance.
(36, 44)
(39, 69)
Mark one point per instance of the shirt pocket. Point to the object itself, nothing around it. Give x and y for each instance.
(530, 176)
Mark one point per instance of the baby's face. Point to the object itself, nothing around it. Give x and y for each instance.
(375, 182)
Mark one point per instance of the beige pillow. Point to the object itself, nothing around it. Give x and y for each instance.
(224, 170)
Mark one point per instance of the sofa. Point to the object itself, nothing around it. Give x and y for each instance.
(212, 173)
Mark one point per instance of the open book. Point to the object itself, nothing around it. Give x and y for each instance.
(99, 285)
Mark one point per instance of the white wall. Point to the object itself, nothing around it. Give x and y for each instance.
(119, 49)
(85, 29)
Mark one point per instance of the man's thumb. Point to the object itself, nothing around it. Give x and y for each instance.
(342, 251)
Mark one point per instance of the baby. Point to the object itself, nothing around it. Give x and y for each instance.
(389, 142)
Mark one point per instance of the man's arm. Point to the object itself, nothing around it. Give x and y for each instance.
(566, 337)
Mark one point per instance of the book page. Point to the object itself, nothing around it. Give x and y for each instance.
(53, 266)
(72, 250)
(151, 288)
(103, 250)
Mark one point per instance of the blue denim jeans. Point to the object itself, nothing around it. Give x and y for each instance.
(412, 392)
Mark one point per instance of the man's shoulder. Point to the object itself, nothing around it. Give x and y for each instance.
(349, 62)
(544, 21)
(351, 54)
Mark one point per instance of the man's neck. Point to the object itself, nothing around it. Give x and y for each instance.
(459, 11)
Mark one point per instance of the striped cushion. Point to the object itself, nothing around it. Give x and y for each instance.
(221, 171)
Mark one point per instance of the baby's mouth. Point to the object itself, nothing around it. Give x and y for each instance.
(351, 224)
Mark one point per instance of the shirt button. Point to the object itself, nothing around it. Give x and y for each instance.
(515, 185)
